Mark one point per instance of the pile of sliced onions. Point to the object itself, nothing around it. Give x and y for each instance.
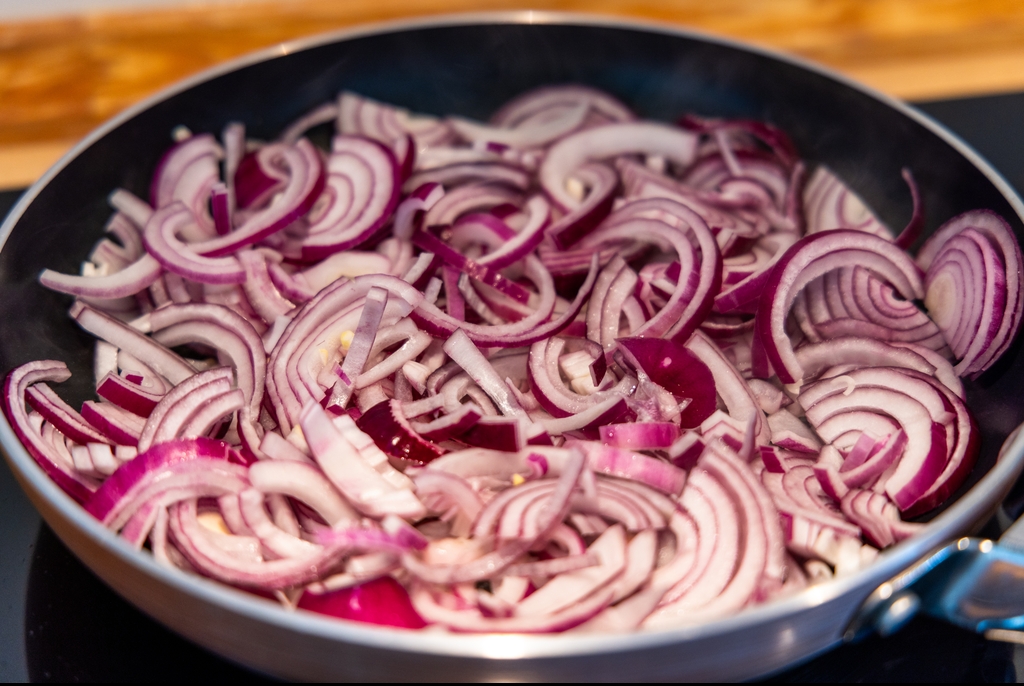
(563, 370)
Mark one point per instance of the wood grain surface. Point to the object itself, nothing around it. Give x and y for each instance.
(59, 78)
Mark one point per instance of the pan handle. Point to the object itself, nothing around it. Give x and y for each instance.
(974, 583)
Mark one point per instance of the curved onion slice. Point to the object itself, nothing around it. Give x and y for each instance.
(806, 260)
(974, 286)
(603, 142)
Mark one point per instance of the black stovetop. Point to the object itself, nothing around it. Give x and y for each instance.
(58, 622)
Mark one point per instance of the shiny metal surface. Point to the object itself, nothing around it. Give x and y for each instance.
(471, 64)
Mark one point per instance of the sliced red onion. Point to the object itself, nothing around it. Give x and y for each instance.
(877, 516)
(371, 173)
(350, 264)
(305, 176)
(570, 588)
(287, 390)
(552, 101)
(419, 201)
(629, 220)
(830, 204)
(523, 242)
(362, 486)
(462, 350)
(967, 294)
(877, 463)
(315, 117)
(962, 455)
(380, 601)
(470, 172)
(278, 542)
(523, 332)
(393, 434)
(467, 199)
(135, 209)
(912, 231)
(573, 151)
(259, 287)
(128, 281)
(120, 426)
(926, 453)
(389, 125)
(552, 513)
(428, 242)
(499, 433)
(63, 417)
(806, 260)
(451, 425)
(476, 622)
(790, 433)
(602, 183)
(163, 361)
(359, 349)
(545, 380)
(680, 371)
(814, 359)
(261, 515)
(630, 465)
(17, 382)
(729, 385)
(609, 410)
(532, 134)
(182, 463)
(178, 405)
(127, 395)
(205, 418)
(225, 330)
(205, 554)
(187, 173)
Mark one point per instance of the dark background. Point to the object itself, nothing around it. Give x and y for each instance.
(59, 623)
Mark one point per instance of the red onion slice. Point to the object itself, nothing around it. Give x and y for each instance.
(373, 175)
(806, 260)
(17, 382)
(128, 281)
(163, 361)
(187, 173)
(603, 142)
(362, 486)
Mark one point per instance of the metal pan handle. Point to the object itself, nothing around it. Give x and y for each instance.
(974, 583)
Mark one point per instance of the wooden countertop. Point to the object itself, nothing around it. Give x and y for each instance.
(61, 77)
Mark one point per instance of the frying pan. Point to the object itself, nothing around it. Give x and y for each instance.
(470, 65)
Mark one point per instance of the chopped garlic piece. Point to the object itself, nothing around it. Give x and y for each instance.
(346, 339)
(453, 551)
(518, 480)
(93, 269)
(212, 521)
(575, 188)
(576, 366)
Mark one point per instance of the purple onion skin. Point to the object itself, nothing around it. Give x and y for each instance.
(678, 371)
(394, 436)
(251, 184)
(382, 601)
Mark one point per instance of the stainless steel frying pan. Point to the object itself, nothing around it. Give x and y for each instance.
(470, 65)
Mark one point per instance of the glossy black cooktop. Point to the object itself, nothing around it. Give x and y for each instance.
(58, 622)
